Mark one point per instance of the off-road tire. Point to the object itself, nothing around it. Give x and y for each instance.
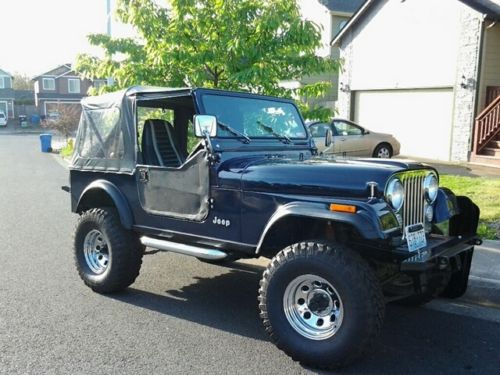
(125, 250)
(357, 286)
(382, 146)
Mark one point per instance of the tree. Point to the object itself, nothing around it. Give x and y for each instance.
(67, 121)
(250, 45)
(21, 82)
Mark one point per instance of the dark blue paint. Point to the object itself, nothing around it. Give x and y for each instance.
(252, 182)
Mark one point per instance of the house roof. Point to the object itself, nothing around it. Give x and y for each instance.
(56, 72)
(490, 8)
(342, 6)
(4, 73)
(24, 95)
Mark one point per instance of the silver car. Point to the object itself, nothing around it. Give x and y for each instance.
(3, 119)
(350, 139)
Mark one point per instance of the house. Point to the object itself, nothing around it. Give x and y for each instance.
(331, 16)
(58, 87)
(6, 94)
(428, 72)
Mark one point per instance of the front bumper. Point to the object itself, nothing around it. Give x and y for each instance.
(440, 253)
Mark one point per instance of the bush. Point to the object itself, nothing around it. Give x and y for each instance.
(67, 122)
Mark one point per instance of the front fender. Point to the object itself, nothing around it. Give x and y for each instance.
(366, 220)
(119, 200)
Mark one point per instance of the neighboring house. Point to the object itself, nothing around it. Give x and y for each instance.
(59, 87)
(331, 16)
(428, 72)
(6, 94)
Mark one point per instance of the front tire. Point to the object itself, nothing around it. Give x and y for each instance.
(383, 151)
(322, 305)
(107, 256)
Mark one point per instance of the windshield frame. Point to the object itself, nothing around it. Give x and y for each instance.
(199, 93)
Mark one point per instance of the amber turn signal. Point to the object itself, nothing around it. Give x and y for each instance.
(343, 208)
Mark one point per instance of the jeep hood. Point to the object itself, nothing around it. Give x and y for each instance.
(316, 176)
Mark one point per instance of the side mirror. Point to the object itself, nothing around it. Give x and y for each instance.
(366, 132)
(328, 138)
(205, 125)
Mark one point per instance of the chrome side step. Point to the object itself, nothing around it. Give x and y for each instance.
(176, 247)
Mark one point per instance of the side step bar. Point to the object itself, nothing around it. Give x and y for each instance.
(176, 247)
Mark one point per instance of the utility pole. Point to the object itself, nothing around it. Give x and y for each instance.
(110, 80)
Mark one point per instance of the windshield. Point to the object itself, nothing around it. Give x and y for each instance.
(247, 115)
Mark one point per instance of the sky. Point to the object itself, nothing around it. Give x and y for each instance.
(39, 35)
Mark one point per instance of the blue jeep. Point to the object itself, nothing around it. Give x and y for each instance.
(343, 236)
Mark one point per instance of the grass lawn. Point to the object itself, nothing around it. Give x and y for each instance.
(485, 192)
(67, 151)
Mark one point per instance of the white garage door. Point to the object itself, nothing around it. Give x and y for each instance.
(419, 119)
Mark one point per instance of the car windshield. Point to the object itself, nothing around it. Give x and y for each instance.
(256, 118)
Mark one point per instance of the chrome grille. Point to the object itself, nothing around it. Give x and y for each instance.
(413, 210)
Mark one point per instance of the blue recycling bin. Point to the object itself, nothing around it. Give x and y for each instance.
(35, 119)
(46, 142)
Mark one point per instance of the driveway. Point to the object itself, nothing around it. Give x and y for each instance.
(183, 316)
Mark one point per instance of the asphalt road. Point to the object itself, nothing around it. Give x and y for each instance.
(181, 315)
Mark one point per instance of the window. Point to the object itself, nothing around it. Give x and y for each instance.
(48, 83)
(341, 25)
(5, 82)
(344, 128)
(73, 86)
(102, 136)
(319, 130)
(247, 115)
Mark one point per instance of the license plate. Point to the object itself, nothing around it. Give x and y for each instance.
(415, 237)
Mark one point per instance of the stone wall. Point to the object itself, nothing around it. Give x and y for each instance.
(466, 84)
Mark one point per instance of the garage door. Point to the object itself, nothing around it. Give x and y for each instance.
(419, 119)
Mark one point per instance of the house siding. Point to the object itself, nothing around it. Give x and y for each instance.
(490, 69)
(407, 45)
(318, 13)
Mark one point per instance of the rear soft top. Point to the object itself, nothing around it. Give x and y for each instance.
(106, 138)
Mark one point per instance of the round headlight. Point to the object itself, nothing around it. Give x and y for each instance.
(431, 188)
(395, 194)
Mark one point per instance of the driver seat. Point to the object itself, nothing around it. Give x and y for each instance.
(159, 145)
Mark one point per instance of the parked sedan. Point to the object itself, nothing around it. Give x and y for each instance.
(3, 119)
(350, 139)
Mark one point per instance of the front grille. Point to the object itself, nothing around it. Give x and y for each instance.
(414, 206)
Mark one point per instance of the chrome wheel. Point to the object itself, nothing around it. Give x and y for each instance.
(313, 307)
(96, 251)
(383, 153)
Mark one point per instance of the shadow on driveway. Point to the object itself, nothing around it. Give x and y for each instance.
(413, 340)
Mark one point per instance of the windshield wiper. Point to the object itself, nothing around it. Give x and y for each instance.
(269, 129)
(245, 139)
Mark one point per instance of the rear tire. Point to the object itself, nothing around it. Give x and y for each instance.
(383, 151)
(321, 304)
(107, 256)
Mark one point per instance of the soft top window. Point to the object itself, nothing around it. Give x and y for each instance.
(101, 134)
